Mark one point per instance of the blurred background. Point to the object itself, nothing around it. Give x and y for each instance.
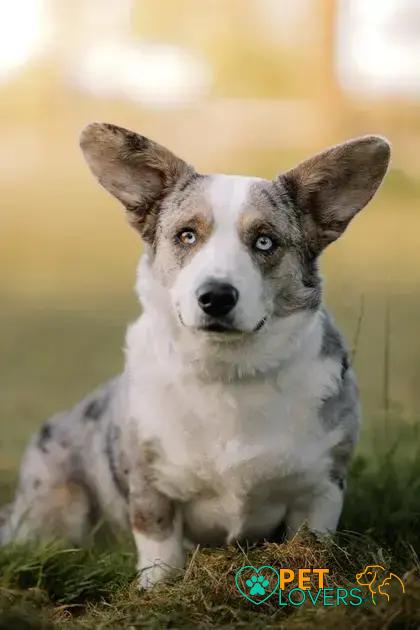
(236, 86)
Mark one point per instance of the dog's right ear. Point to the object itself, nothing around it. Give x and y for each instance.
(330, 188)
(136, 170)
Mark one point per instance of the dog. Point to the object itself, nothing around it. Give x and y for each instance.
(237, 410)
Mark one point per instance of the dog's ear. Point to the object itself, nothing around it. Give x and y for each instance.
(328, 189)
(136, 170)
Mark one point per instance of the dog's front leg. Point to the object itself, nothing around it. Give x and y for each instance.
(157, 529)
(320, 512)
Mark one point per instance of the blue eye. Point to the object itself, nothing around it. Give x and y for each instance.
(187, 237)
(263, 243)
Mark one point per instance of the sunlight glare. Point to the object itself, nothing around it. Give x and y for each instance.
(23, 31)
(157, 74)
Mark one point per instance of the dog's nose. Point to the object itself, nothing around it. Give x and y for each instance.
(217, 298)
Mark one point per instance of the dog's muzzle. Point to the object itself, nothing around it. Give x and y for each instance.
(217, 301)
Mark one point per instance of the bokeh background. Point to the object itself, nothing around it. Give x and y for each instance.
(236, 86)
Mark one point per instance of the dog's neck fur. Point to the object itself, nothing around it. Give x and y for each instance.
(281, 343)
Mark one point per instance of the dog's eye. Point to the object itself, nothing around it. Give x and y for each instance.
(264, 243)
(187, 237)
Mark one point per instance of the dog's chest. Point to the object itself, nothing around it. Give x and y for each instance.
(229, 450)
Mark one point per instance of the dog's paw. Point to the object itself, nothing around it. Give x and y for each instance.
(158, 560)
(151, 575)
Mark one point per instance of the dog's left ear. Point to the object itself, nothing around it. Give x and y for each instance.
(136, 170)
(328, 189)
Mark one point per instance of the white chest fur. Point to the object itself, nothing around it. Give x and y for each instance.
(234, 454)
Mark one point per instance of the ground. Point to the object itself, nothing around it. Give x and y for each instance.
(55, 586)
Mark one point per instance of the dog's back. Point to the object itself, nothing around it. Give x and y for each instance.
(72, 472)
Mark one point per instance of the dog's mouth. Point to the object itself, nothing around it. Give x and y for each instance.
(224, 328)
(218, 327)
(221, 328)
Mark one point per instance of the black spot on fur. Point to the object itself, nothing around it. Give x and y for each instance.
(36, 483)
(111, 439)
(95, 408)
(182, 191)
(133, 141)
(344, 366)
(333, 346)
(44, 437)
(332, 343)
(189, 180)
(136, 142)
(310, 273)
(338, 479)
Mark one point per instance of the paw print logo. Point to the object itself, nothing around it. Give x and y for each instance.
(257, 584)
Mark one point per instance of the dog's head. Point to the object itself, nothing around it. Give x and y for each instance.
(370, 574)
(235, 253)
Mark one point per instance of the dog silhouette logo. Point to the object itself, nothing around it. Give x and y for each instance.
(379, 581)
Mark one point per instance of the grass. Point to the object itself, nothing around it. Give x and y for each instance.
(47, 586)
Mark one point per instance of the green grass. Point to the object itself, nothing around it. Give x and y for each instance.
(44, 586)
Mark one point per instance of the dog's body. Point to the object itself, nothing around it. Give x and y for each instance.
(237, 409)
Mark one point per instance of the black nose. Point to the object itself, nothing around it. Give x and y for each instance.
(217, 298)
